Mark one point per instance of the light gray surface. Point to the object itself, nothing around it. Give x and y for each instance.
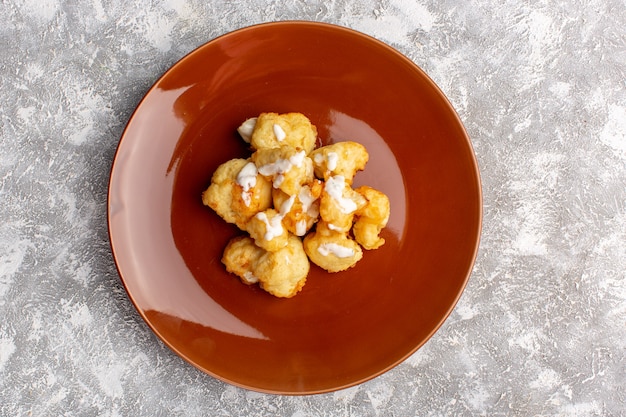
(541, 327)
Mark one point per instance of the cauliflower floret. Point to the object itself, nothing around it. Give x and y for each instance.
(235, 197)
(341, 158)
(287, 167)
(272, 130)
(283, 273)
(330, 250)
(240, 257)
(339, 203)
(372, 218)
(266, 228)
(304, 209)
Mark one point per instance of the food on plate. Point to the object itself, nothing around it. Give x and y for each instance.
(304, 209)
(240, 257)
(331, 250)
(286, 167)
(266, 228)
(341, 158)
(339, 203)
(237, 192)
(273, 130)
(296, 203)
(282, 273)
(371, 218)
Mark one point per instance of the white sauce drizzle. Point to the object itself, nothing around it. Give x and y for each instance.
(307, 200)
(247, 176)
(318, 158)
(247, 198)
(273, 226)
(280, 167)
(247, 180)
(279, 132)
(305, 197)
(246, 129)
(298, 158)
(332, 159)
(334, 187)
(285, 208)
(339, 251)
(301, 227)
(250, 278)
(278, 181)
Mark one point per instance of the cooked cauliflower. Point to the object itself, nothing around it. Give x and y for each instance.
(330, 250)
(266, 228)
(275, 197)
(341, 158)
(240, 258)
(371, 218)
(286, 167)
(234, 197)
(283, 273)
(273, 130)
(246, 128)
(339, 203)
(303, 209)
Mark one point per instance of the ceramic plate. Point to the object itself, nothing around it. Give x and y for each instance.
(341, 329)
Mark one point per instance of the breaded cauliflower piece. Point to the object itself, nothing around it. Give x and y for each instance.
(372, 218)
(339, 203)
(330, 250)
(341, 158)
(240, 257)
(283, 273)
(272, 130)
(286, 167)
(237, 192)
(303, 210)
(266, 228)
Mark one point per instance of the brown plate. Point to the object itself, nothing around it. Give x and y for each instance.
(341, 329)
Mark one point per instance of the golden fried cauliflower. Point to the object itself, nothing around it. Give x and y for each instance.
(286, 190)
(240, 257)
(286, 167)
(330, 250)
(237, 192)
(283, 273)
(341, 158)
(339, 203)
(304, 208)
(272, 130)
(266, 228)
(371, 218)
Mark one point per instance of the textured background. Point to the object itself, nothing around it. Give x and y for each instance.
(541, 327)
